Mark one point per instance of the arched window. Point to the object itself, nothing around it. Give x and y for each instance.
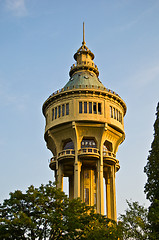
(68, 145)
(88, 143)
(107, 146)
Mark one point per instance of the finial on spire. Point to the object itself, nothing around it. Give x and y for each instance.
(83, 35)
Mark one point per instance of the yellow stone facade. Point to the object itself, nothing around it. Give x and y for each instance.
(84, 127)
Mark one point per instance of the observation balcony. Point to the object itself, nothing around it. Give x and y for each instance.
(85, 153)
(88, 153)
(87, 65)
(68, 153)
(74, 87)
(52, 163)
(110, 159)
(108, 154)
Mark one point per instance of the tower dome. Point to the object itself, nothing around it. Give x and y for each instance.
(84, 128)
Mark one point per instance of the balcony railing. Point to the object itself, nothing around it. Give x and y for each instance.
(88, 151)
(83, 86)
(88, 63)
(53, 159)
(71, 152)
(66, 152)
(52, 163)
(108, 154)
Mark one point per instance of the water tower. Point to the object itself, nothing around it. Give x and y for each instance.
(84, 127)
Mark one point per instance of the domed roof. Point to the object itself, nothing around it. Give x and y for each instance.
(83, 79)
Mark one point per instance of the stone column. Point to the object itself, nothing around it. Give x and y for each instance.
(111, 193)
(59, 176)
(108, 194)
(100, 190)
(77, 171)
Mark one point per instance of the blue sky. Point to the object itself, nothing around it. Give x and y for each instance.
(37, 41)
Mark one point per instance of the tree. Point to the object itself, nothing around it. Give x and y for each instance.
(134, 223)
(47, 213)
(30, 215)
(152, 184)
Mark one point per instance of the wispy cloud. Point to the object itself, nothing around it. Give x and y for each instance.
(12, 99)
(146, 76)
(17, 7)
(137, 18)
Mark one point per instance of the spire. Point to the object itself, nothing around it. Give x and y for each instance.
(83, 49)
(83, 43)
(84, 59)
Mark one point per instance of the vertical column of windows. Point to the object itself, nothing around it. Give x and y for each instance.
(86, 196)
(86, 189)
(120, 117)
(90, 196)
(67, 109)
(90, 107)
(63, 110)
(85, 107)
(80, 107)
(116, 114)
(59, 111)
(111, 111)
(55, 112)
(95, 108)
(95, 195)
(99, 108)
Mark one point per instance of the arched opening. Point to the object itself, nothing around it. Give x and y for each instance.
(68, 144)
(107, 146)
(108, 149)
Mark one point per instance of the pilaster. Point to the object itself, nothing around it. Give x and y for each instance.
(110, 193)
(100, 192)
(60, 176)
(77, 171)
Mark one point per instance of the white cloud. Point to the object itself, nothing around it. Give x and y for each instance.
(17, 7)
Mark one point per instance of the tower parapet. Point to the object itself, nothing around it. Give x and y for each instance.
(84, 127)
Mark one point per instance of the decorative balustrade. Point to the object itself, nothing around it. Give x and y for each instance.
(88, 63)
(88, 151)
(83, 86)
(52, 163)
(66, 153)
(108, 154)
(53, 159)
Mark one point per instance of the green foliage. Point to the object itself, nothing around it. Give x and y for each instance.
(152, 184)
(47, 213)
(134, 223)
(30, 215)
(102, 228)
